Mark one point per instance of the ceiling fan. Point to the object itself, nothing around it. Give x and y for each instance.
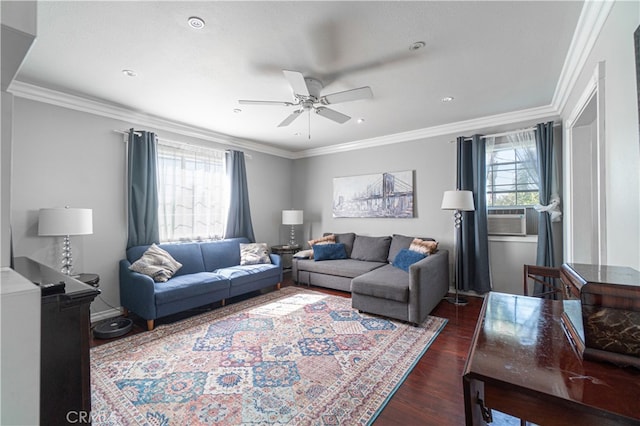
(306, 93)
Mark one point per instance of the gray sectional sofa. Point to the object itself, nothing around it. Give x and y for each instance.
(376, 285)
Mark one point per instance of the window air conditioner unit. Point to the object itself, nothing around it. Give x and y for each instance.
(507, 222)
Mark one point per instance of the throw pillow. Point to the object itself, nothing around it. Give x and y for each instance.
(156, 263)
(346, 238)
(424, 247)
(304, 254)
(405, 258)
(254, 253)
(371, 249)
(327, 239)
(329, 252)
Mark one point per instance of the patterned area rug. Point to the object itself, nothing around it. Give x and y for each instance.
(292, 356)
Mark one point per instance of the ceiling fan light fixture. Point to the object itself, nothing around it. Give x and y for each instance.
(196, 23)
(360, 120)
(130, 73)
(417, 45)
(447, 99)
(237, 110)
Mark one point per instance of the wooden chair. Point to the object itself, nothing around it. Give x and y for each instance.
(547, 277)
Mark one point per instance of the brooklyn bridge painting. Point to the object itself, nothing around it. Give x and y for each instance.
(388, 194)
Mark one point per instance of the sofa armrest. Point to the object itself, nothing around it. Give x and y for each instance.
(428, 284)
(277, 260)
(137, 292)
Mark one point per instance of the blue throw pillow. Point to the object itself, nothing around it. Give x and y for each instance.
(406, 258)
(329, 251)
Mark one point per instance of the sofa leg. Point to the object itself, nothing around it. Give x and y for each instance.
(223, 302)
(125, 312)
(149, 325)
(278, 286)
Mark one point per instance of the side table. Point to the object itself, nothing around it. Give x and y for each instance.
(286, 252)
(91, 279)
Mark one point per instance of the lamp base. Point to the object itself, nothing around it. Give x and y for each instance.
(457, 300)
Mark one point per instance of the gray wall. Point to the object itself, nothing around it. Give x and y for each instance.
(66, 157)
(434, 162)
(622, 148)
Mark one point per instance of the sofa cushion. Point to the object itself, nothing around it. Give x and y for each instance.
(386, 282)
(185, 286)
(254, 254)
(329, 252)
(348, 268)
(371, 249)
(406, 258)
(346, 238)
(239, 275)
(398, 242)
(222, 253)
(188, 254)
(156, 263)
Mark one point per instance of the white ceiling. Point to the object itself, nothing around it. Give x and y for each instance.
(492, 57)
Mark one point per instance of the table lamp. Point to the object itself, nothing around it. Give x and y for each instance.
(293, 218)
(65, 222)
(458, 201)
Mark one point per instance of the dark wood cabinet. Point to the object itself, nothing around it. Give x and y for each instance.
(65, 377)
(521, 363)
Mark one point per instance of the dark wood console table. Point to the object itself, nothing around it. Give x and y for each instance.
(65, 379)
(522, 363)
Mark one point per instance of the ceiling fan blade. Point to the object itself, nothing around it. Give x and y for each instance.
(278, 103)
(336, 116)
(296, 80)
(347, 96)
(290, 118)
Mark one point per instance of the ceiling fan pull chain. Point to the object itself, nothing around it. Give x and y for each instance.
(309, 127)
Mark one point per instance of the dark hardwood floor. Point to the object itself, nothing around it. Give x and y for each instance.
(432, 393)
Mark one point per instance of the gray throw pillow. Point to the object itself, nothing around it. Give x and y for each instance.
(156, 263)
(371, 249)
(254, 254)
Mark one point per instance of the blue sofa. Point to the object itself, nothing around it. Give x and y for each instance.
(210, 272)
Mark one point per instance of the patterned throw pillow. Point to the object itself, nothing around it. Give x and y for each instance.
(424, 247)
(254, 253)
(156, 263)
(328, 239)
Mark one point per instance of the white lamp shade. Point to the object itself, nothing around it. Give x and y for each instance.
(65, 221)
(292, 217)
(457, 200)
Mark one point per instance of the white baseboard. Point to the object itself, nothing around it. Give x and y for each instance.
(109, 313)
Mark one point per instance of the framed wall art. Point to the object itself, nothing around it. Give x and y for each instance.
(388, 194)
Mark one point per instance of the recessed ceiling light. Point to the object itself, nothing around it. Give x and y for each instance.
(196, 23)
(447, 99)
(129, 73)
(417, 45)
(237, 110)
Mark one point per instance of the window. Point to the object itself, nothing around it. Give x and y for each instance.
(512, 174)
(192, 193)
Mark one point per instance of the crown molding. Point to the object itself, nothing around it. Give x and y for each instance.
(459, 127)
(592, 18)
(101, 108)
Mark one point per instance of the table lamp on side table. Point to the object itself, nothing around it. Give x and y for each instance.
(458, 201)
(293, 218)
(65, 222)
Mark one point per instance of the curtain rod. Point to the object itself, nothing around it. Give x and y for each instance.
(496, 135)
(126, 133)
